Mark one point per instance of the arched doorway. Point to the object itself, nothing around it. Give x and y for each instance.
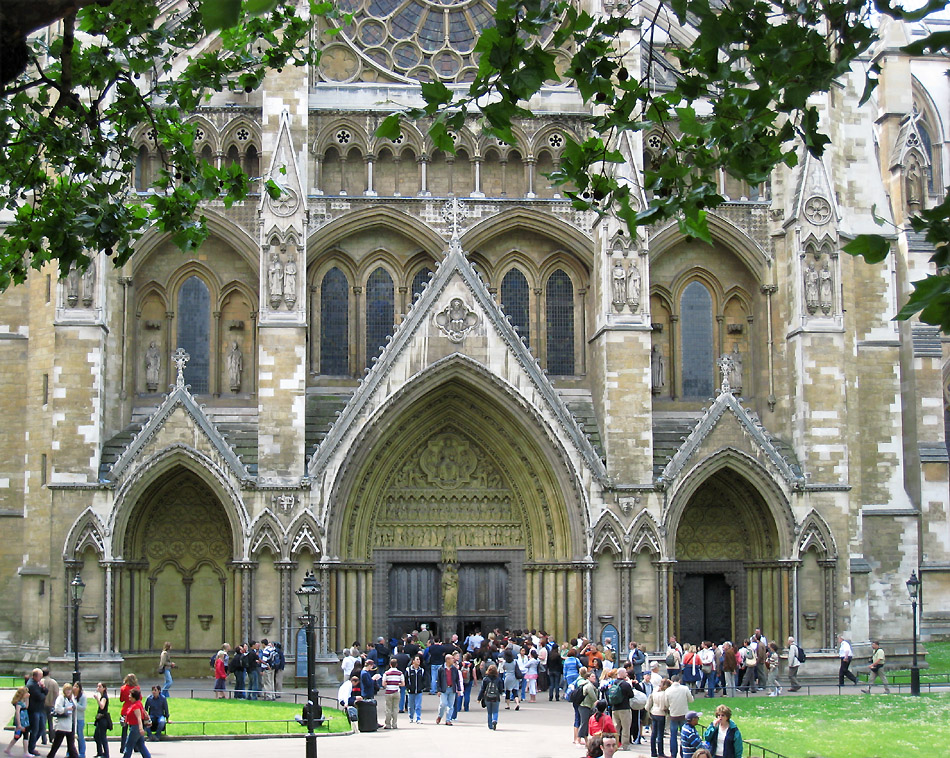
(455, 516)
(177, 584)
(728, 579)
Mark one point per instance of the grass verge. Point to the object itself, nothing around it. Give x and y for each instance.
(841, 726)
(202, 716)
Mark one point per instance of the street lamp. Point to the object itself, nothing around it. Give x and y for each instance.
(76, 587)
(308, 595)
(913, 589)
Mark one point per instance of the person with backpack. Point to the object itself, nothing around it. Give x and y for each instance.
(674, 658)
(590, 696)
(415, 685)
(489, 695)
(619, 694)
(796, 657)
(574, 695)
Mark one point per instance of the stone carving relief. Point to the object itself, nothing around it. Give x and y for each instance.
(285, 503)
(825, 289)
(235, 367)
(72, 286)
(731, 366)
(448, 461)
(456, 320)
(818, 278)
(818, 211)
(290, 281)
(153, 367)
(275, 280)
(89, 286)
(633, 287)
(450, 589)
(811, 288)
(187, 529)
(657, 370)
(619, 279)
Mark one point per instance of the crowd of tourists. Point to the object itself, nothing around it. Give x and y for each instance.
(47, 714)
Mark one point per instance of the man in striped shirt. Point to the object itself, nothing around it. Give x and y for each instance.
(393, 679)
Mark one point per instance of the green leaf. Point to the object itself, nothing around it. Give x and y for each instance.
(220, 14)
(872, 247)
(259, 7)
(390, 128)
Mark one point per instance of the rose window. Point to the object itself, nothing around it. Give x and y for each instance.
(420, 40)
(199, 134)
(243, 134)
(343, 137)
(556, 141)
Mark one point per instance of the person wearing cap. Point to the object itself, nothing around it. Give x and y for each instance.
(689, 737)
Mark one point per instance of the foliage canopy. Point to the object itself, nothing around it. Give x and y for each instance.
(740, 101)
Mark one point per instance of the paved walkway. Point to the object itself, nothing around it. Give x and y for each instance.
(539, 730)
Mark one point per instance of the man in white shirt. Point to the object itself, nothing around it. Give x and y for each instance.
(846, 654)
(679, 697)
(347, 664)
(793, 663)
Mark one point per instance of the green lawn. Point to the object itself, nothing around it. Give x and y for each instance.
(841, 726)
(938, 660)
(261, 717)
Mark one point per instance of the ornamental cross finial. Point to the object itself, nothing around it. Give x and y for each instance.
(726, 366)
(180, 357)
(452, 212)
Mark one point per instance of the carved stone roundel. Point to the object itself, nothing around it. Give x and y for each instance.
(818, 210)
(456, 320)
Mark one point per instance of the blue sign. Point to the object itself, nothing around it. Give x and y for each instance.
(302, 652)
(610, 636)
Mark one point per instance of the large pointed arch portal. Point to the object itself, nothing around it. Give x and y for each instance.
(455, 513)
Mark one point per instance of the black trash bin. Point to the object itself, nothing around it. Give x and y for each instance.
(366, 715)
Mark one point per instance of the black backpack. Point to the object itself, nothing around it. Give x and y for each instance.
(577, 696)
(801, 654)
(492, 690)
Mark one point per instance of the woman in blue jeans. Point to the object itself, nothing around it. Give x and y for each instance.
(135, 719)
(490, 695)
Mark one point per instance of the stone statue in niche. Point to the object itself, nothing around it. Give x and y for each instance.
(825, 289)
(235, 367)
(633, 287)
(153, 367)
(657, 370)
(619, 286)
(72, 286)
(450, 589)
(290, 282)
(734, 370)
(811, 288)
(275, 280)
(915, 186)
(89, 285)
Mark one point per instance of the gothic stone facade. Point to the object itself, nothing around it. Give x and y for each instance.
(460, 401)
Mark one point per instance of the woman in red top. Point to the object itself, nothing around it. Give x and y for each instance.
(600, 722)
(135, 719)
(129, 684)
(220, 675)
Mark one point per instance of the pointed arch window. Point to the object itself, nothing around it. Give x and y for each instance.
(515, 301)
(194, 332)
(334, 323)
(560, 323)
(142, 169)
(420, 280)
(380, 312)
(696, 326)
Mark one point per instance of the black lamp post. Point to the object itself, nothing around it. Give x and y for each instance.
(308, 595)
(913, 589)
(76, 587)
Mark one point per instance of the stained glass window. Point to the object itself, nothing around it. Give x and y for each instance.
(194, 332)
(514, 299)
(560, 323)
(380, 312)
(420, 280)
(334, 323)
(696, 327)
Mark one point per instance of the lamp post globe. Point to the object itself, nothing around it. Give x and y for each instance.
(913, 589)
(76, 587)
(308, 594)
